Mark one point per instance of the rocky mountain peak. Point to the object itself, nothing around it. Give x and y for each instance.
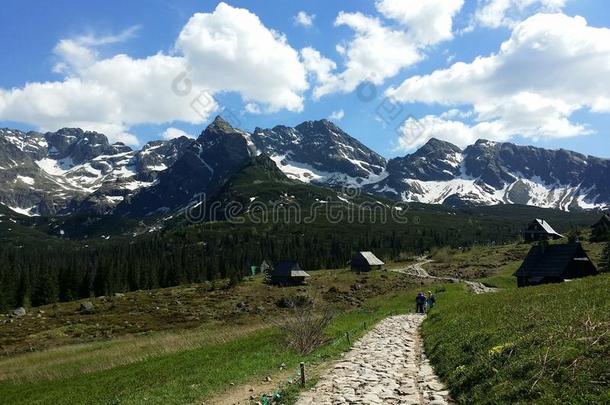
(77, 145)
(436, 147)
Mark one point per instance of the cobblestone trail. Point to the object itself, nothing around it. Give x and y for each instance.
(386, 366)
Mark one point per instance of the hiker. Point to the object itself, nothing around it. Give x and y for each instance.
(420, 301)
(430, 301)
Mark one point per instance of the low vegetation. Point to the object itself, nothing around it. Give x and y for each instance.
(546, 344)
(196, 362)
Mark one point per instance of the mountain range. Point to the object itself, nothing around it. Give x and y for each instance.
(74, 171)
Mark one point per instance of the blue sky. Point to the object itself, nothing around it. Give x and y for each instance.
(110, 66)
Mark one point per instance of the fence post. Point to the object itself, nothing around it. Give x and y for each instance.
(302, 374)
(349, 341)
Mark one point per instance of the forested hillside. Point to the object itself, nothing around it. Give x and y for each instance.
(37, 272)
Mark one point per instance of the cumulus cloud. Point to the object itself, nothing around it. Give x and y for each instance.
(374, 54)
(337, 115)
(498, 13)
(416, 132)
(303, 19)
(379, 50)
(427, 22)
(172, 133)
(231, 50)
(552, 66)
(253, 108)
(228, 49)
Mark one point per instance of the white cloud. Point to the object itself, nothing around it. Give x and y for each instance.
(379, 51)
(304, 19)
(78, 53)
(416, 132)
(172, 133)
(337, 115)
(552, 66)
(428, 22)
(226, 50)
(253, 108)
(319, 66)
(231, 50)
(498, 13)
(374, 54)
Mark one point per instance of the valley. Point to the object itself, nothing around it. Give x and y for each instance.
(194, 327)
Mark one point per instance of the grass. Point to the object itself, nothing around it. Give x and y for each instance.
(488, 348)
(547, 344)
(199, 308)
(192, 370)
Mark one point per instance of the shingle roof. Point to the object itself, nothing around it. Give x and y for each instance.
(550, 261)
(604, 220)
(371, 259)
(289, 269)
(547, 227)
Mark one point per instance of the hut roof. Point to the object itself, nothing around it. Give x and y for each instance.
(289, 269)
(546, 227)
(603, 221)
(551, 260)
(371, 259)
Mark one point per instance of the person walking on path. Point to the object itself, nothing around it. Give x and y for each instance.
(420, 302)
(430, 301)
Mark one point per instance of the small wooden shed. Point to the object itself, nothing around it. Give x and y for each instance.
(546, 264)
(539, 230)
(365, 261)
(288, 273)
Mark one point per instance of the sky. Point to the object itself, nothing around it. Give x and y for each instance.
(392, 73)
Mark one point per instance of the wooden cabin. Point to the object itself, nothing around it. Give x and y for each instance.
(600, 231)
(365, 261)
(539, 230)
(546, 264)
(287, 273)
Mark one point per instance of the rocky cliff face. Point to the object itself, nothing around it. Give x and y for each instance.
(320, 152)
(72, 170)
(494, 173)
(218, 153)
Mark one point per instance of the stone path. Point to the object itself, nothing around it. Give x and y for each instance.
(386, 366)
(417, 270)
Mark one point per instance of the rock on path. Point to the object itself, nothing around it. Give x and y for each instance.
(386, 366)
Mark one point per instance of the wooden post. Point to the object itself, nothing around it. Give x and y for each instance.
(365, 325)
(302, 374)
(349, 341)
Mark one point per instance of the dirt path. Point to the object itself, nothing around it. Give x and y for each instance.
(417, 269)
(386, 366)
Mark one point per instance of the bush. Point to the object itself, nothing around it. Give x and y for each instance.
(295, 301)
(304, 328)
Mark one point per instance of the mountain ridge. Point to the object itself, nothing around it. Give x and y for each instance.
(71, 170)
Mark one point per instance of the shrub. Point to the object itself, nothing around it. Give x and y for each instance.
(304, 327)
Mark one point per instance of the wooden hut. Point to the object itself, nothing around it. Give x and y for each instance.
(287, 273)
(539, 230)
(553, 264)
(365, 261)
(600, 231)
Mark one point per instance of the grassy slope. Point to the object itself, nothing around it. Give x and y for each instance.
(548, 344)
(192, 374)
